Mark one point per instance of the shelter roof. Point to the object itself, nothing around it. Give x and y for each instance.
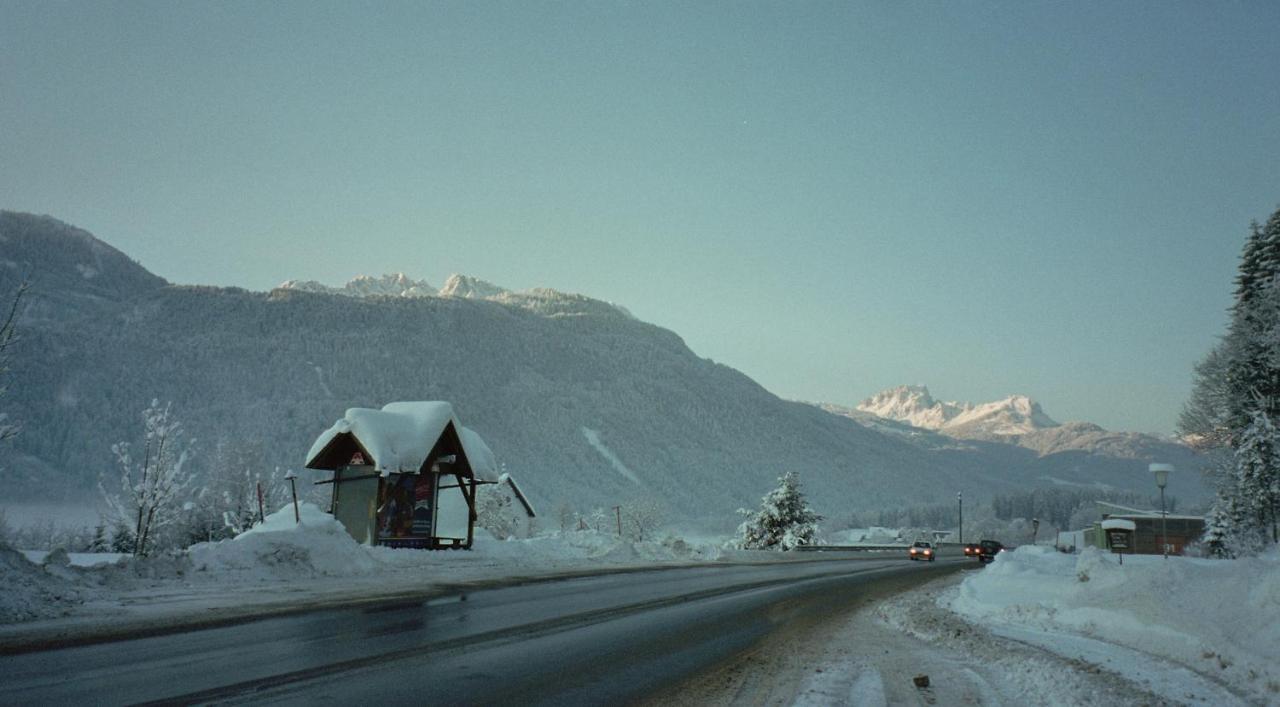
(401, 435)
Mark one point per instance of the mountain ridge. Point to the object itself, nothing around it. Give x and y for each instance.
(532, 372)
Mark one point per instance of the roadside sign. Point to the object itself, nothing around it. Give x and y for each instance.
(1118, 539)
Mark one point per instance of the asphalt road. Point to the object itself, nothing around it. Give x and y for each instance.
(586, 640)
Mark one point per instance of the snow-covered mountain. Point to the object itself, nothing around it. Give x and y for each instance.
(1064, 451)
(470, 287)
(586, 405)
(400, 285)
(912, 404)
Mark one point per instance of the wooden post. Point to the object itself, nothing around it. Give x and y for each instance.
(262, 516)
(618, 511)
(297, 517)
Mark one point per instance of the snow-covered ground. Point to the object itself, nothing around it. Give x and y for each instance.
(281, 564)
(1185, 628)
(1034, 627)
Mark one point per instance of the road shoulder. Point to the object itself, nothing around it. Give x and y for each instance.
(872, 654)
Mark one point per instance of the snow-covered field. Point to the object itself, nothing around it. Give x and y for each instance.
(282, 564)
(1184, 628)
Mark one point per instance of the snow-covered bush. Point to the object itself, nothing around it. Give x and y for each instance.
(784, 521)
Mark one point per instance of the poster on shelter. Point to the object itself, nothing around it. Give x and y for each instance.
(423, 493)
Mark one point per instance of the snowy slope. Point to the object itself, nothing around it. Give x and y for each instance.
(529, 371)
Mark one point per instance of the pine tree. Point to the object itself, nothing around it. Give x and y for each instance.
(1237, 397)
(784, 521)
(99, 543)
(1257, 483)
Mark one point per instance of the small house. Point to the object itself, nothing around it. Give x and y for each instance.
(405, 475)
(1153, 532)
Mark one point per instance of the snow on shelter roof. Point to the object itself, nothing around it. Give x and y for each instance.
(401, 435)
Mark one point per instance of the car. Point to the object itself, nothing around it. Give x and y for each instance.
(921, 550)
(988, 549)
(972, 549)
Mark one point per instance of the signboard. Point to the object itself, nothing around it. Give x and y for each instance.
(1118, 539)
(357, 459)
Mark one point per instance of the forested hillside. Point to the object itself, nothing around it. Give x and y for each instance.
(584, 404)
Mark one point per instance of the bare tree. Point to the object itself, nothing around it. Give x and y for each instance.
(151, 489)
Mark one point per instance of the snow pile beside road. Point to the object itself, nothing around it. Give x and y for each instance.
(30, 591)
(281, 547)
(1219, 618)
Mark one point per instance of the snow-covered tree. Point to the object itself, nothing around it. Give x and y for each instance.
(235, 476)
(1257, 483)
(152, 488)
(641, 518)
(495, 512)
(784, 521)
(100, 543)
(1236, 399)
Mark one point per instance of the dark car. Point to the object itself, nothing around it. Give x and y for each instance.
(988, 549)
(921, 550)
(971, 549)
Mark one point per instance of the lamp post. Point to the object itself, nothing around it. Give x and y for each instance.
(960, 503)
(1161, 472)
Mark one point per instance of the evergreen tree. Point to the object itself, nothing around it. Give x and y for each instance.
(1236, 398)
(1257, 484)
(122, 539)
(784, 521)
(100, 543)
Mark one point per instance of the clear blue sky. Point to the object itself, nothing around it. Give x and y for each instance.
(990, 198)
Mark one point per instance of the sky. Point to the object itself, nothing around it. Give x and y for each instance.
(1037, 198)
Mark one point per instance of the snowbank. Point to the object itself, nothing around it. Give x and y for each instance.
(1218, 618)
(281, 546)
(30, 591)
(78, 559)
(284, 562)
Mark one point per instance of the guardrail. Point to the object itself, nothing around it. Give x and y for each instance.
(874, 548)
(851, 548)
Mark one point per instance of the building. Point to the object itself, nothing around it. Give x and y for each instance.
(1147, 536)
(405, 475)
(507, 511)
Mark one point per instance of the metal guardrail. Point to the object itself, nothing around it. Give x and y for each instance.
(851, 548)
(874, 548)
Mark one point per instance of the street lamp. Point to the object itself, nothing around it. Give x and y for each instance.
(1161, 472)
(960, 502)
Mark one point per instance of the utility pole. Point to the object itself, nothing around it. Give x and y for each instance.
(960, 501)
(618, 511)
